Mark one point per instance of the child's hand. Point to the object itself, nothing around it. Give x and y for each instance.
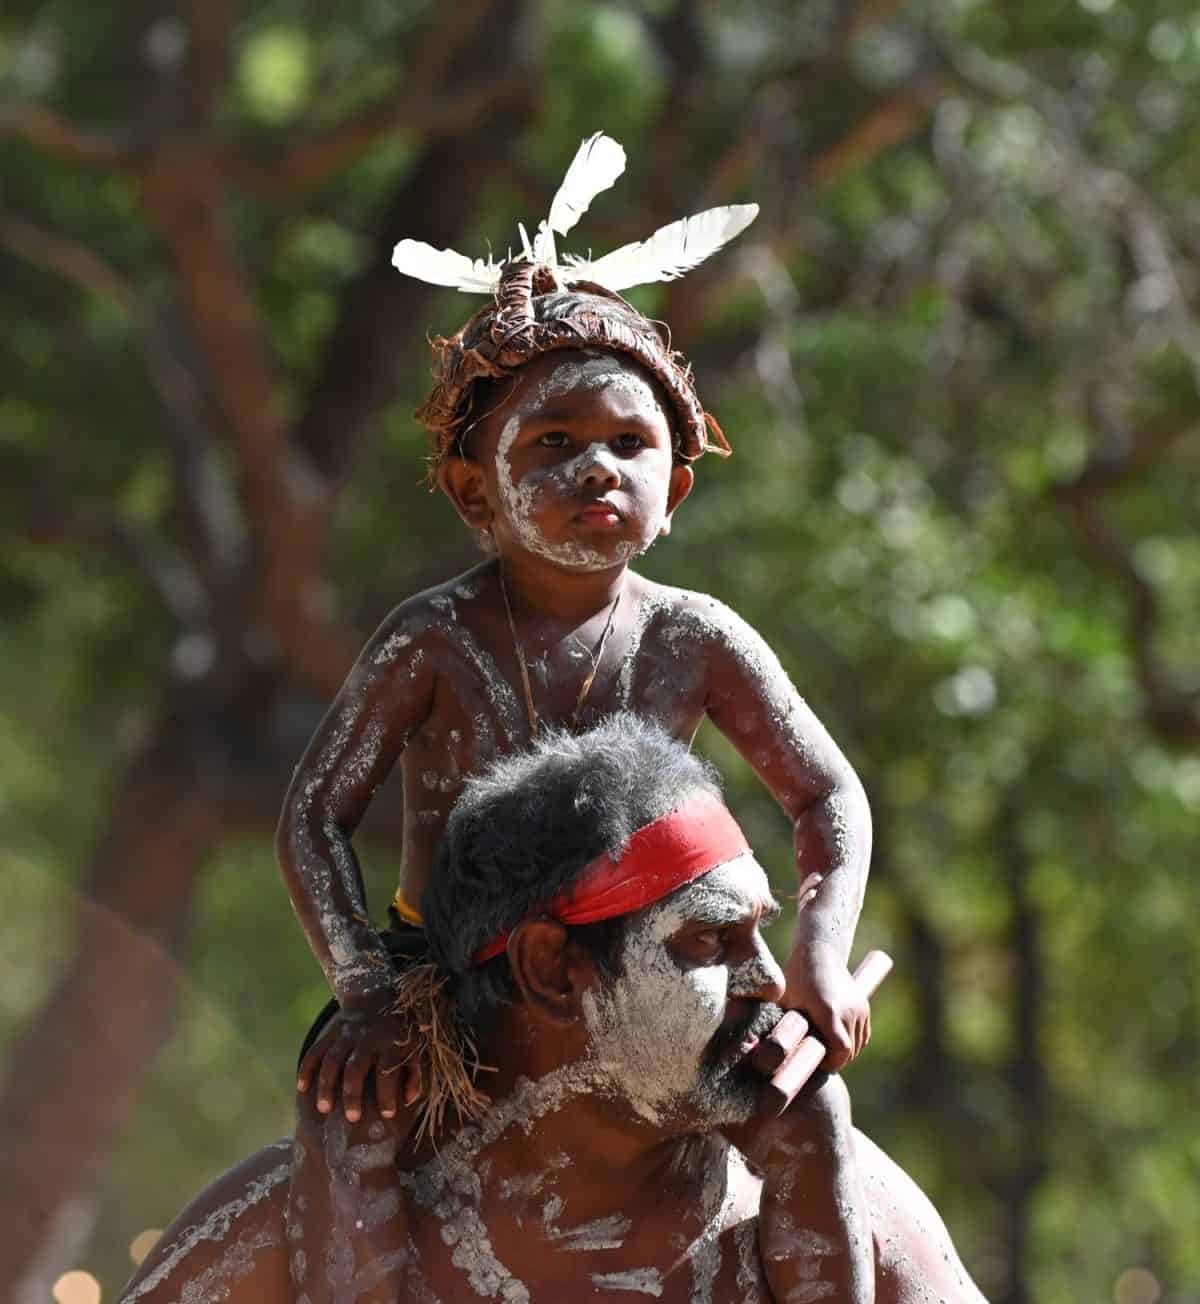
(349, 1047)
(822, 987)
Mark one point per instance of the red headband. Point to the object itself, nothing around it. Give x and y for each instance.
(674, 850)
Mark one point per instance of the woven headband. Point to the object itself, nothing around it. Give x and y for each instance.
(667, 854)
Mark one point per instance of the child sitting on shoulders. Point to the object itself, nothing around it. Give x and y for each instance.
(565, 431)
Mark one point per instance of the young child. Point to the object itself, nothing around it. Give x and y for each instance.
(565, 432)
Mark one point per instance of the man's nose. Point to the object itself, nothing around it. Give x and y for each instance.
(598, 468)
(759, 976)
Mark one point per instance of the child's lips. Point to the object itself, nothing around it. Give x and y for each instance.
(600, 514)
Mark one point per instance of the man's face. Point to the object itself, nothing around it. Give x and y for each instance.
(697, 989)
(578, 460)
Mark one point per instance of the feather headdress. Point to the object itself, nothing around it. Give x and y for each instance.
(542, 302)
(599, 161)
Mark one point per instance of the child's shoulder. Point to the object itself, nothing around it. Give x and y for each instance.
(689, 614)
(687, 623)
(428, 619)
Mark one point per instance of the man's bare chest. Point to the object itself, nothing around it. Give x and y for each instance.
(463, 1259)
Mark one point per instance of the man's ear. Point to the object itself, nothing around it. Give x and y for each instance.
(461, 479)
(682, 479)
(551, 973)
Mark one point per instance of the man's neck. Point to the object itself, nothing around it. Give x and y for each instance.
(617, 1164)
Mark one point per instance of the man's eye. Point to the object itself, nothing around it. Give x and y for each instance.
(553, 439)
(629, 442)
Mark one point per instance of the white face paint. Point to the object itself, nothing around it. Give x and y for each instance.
(522, 499)
(652, 1028)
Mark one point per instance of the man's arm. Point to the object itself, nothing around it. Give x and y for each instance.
(805, 1254)
(814, 1231)
(755, 705)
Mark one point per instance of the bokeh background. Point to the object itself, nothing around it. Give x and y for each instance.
(958, 359)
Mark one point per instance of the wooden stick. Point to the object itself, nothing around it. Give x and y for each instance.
(803, 1054)
(780, 1043)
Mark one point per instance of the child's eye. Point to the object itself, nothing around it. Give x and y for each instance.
(553, 439)
(629, 442)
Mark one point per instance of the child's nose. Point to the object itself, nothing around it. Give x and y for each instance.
(598, 467)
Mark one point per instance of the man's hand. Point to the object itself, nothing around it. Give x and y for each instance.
(821, 986)
(349, 1047)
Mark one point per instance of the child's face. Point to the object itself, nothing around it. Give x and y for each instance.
(574, 464)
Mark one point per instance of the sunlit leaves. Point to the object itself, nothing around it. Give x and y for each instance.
(275, 72)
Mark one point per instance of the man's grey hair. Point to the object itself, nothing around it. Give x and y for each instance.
(524, 828)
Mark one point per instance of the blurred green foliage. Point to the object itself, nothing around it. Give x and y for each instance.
(911, 363)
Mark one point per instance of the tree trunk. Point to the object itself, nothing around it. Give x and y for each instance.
(1026, 1075)
(73, 1075)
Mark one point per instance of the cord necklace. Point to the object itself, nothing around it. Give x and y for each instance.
(589, 678)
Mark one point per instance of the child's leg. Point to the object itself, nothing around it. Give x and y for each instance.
(814, 1225)
(346, 1225)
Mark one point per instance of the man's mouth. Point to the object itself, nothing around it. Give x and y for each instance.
(738, 1042)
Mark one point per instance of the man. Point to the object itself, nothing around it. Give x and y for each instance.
(598, 917)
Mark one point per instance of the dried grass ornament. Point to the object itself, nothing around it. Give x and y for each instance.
(446, 1053)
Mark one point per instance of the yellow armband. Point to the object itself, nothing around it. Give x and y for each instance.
(406, 912)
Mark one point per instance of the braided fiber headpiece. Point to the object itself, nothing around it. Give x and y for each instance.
(533, 314)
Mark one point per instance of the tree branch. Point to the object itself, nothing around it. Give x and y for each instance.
(208, 57)
(53, 135)
(1170, 712)
(1027, 1077)
(169, 577)
(381, 317)
(867, 15)
(109, 1009)
(308, 160)
(208, 519)
(445, 39)
(73, 262)
(893, 120)
(285, 502)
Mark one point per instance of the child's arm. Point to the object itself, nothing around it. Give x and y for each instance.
(386, 696)
(752, 701)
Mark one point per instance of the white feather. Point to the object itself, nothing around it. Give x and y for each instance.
(598, 162)
(668, 253)
(543, 246)
(445, 267)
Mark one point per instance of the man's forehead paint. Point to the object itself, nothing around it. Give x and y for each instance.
(725, 895)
